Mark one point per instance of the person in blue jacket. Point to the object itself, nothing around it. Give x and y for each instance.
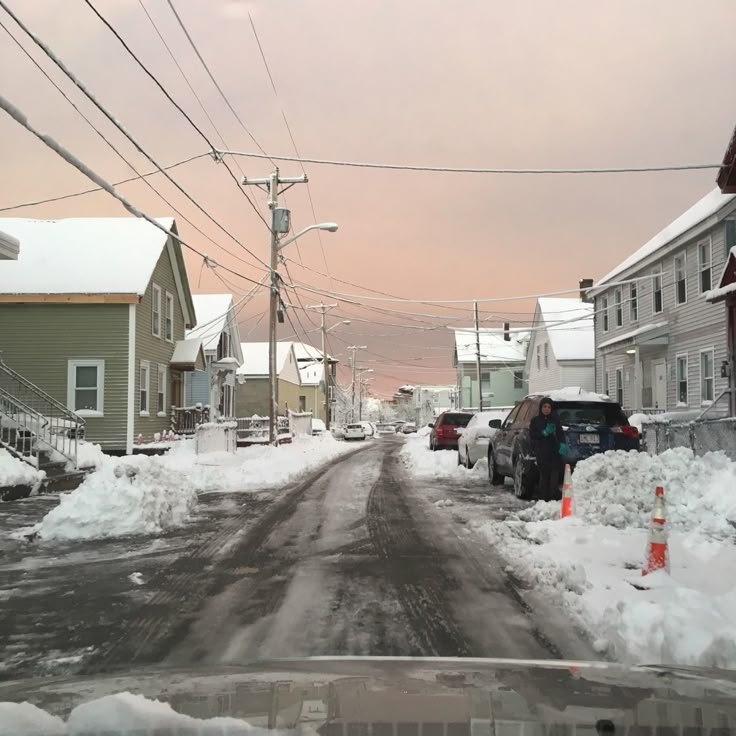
(548, 447)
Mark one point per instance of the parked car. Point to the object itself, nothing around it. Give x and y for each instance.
(386, 429)
(592, 424)
(409, 428)
(354, 432)
(318, 427)
(368, 429)
(474, 441)
(338, 432)
(447, 428)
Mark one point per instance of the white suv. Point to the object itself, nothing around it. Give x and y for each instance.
(354, 432)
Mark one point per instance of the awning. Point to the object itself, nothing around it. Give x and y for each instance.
(188, 355)
(655, 333)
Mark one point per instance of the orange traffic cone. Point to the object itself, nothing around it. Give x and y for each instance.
(657, 554)
(566, 509)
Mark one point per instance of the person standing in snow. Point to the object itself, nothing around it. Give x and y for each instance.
(548, 445)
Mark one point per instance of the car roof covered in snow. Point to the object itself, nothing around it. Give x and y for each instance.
(570, 329)
(85, 255)
(572, 393)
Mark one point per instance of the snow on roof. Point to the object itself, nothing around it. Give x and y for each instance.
(701, 210)
(493, 348)
(634, 333)
(574, 339)
(86, 255)
(186, 352)
(573, 393)
(255, 358)
(211, 311)
(312, 374)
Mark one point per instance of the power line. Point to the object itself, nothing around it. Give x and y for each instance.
(72, 160)
(155, 80)
(475, 170)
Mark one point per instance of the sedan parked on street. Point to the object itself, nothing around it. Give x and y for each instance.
(354, 432)
(474, 441)
(447, 429)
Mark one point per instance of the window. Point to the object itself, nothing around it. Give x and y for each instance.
(604, 310)
(86, 387)
(161, 396)
(633, 302)
(620, 386)
(607, 385)
(518, 379)
(223, 346)
(302, 403)
(657, 304)
(706, 265)
(682, 379)
(546, 355)
(680, 279)
(156, 311)
(145, 385)
(619, 308)
(169, 320)
(539, 357)
(707, 359)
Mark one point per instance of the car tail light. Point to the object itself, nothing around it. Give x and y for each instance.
(440, 431)
(627, 431)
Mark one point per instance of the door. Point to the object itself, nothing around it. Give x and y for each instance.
(659, 392)
(177, 393)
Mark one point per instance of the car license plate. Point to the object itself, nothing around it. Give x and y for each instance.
(590, 439)
(459, 431)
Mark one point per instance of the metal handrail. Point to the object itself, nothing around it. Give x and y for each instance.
(725, 392)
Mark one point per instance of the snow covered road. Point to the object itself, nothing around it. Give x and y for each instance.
(354, 559)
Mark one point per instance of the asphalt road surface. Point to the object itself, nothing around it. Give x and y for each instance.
(353, 560)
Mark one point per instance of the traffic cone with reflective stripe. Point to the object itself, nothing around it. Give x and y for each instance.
(657, 553)
(566, 509)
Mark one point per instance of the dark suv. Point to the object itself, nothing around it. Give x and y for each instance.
(447, 429)
(590, 426)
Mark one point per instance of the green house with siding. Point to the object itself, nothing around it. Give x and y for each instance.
(94, 311)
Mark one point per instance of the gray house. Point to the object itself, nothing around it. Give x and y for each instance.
(660, 344)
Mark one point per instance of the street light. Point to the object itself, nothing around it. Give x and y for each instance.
(330, 227)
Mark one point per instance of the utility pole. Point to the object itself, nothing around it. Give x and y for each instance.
(354, 349)
(280, 224)
(477, 356)
(323, 310)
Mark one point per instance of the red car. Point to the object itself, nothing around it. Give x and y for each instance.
(447, 429)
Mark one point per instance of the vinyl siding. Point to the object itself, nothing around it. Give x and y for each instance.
(156, 350)
(38, 340)
(692, 326)
(315, 401)
(502, 384)
(542, 378)
(254, 397)
(578, 374)
(197, 388)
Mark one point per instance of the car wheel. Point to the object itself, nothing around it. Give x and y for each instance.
(521, 480)
(495, 478)
(433, 447)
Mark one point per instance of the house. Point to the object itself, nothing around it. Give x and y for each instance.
(562, 346)
(217, 328)
(502, 363)
(312, 396)
(254, 398)
(659, 342)
(431, 401)
(94, 313)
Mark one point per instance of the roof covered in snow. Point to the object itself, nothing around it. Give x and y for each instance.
(570, 329)
(727, 281)
(212, 312)
(255, 357)
(573, 393)
(312, 374)
(305, 352)
(700, 211)
(493, 347)
(188, 353)
(88, 255)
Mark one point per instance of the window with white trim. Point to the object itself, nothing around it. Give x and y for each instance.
(619, 308)
(620, 386)
(682, 379)
(86, 387)
(546, 355)
(156, 311)
(657, 301)
(705, 262)
(604, 311)
(161, 395)
(707, 361)
(539, 357)
(633, 302)
(169, 318)
(145, 386)
(680, 275)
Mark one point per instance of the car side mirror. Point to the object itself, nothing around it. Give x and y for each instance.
(430, 425)
(495, 424)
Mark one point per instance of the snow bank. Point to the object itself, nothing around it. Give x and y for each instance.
(90, 455)
(617, 489)
(120, 713)
(423, 463)
(14, 472)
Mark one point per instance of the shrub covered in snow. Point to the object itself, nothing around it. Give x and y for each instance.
(617, 489)
(14, 472)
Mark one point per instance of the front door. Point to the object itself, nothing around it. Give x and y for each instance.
(177, 389)
(659, 393)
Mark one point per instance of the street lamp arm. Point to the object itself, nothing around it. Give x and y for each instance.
(331, 227)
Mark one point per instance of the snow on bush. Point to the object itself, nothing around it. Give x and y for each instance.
(140, 495)
(14, 472)
(617, 489)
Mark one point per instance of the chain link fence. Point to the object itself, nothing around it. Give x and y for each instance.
(701, 436)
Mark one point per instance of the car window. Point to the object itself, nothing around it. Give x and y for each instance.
(591, 412)
(525, 414)
(511, 418)
(456, 420)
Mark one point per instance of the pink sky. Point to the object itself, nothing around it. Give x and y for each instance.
(470, 83)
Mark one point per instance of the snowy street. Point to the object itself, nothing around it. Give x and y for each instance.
(360, 557)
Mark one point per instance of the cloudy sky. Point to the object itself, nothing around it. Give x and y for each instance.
(473, 83)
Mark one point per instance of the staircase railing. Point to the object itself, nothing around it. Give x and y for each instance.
(32, 421)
